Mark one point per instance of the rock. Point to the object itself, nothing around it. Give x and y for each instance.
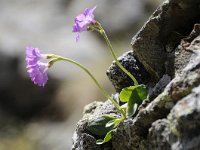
(161, 34)
(160, 107)
(119, 79)
(82, 138)
(170, 120)
(159, 87)
(181, 56)
(181, 128)
(132, 133)
(159, 126)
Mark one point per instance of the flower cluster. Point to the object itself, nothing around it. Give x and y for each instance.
(37, 70)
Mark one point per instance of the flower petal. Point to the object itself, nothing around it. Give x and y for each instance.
(83, 21)
(36, 69)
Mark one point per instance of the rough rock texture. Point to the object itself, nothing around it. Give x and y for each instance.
(82, 140)
(135, 131)
(154, 43)
(170, 119)
(181, 128)
(119, 79)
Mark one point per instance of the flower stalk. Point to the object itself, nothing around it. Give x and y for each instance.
(56, 58)
(97, 27)
(86, 22)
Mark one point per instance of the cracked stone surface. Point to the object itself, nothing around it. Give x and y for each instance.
(180, 130)
(161, 34)
(168, 48)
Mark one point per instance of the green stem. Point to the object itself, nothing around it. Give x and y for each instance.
(103, 33)
(56, 58)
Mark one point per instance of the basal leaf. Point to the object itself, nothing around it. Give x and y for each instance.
(125, 94)
(110, 123)
(132, 108)
(98, 126)
(133, 95)
(114, 122)
(107, 138)
(138, 93)
(142, 92)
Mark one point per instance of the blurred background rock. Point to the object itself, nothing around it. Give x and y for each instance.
(35, 118)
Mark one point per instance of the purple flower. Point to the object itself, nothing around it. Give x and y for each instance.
(83, 21)
(33, 55)
(36, 69)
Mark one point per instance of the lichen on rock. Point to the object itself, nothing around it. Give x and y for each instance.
(180, 130)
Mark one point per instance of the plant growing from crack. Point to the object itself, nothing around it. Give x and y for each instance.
(132, 96)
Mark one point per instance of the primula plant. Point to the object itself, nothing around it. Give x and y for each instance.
(131, 97)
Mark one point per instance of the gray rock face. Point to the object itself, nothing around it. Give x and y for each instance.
(170, 120)
(132, 133)
(135, 131)
(181, 128)
(155, 42)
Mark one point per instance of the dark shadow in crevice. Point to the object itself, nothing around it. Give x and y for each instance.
(178, 25)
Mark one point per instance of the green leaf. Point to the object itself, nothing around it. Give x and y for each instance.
(114, 122)
(142, 92)
(108, 117)
(132, 108)
(110, 123)
(125, 94)
(107, 138)
(98, 126)
(124, 107)
(133, 95)
(139, 93)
